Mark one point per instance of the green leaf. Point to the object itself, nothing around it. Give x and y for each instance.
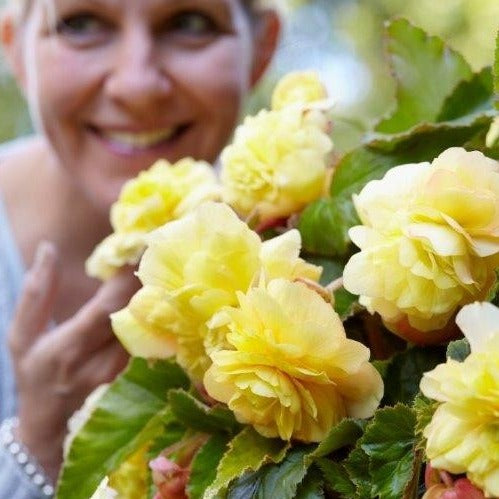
(199, 416)
(458, 350)
(493, 294)
(345, 303)
(331, 268)
(356, 169)
(405, 370)
(357, 466)
(248, 451)
(204, 465)
(324, 225)
(424, 409)
(346, 432)
(172, 433)
(336, 478)
(381, 366)
(389, 442)
(278, 481)
(426, 72)
(129, 414)
(312, 486)
(473, 96)
(425, 141)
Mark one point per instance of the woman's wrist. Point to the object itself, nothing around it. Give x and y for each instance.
(44, 442)
(30, 466)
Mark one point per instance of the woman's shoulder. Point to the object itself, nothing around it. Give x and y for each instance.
(14, 146)
(16, 156)
(19, 147)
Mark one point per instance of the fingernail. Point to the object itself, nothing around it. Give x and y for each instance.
(45, 251)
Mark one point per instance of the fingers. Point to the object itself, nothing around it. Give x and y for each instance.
(117, 292)
(101, 367)
(57, 369)
(36, 303)
(105, 365)
(90, 329)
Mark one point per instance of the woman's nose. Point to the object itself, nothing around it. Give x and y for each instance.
(137, 80)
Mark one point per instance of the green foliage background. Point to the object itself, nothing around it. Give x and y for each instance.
(14, 120)
(468, 26)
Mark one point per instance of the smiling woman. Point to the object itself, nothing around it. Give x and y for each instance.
(112, 85)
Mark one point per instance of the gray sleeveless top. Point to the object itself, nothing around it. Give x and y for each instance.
(14, 483)
(11, 275)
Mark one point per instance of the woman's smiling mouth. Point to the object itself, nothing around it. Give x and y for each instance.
(140, 139)
(132, 142)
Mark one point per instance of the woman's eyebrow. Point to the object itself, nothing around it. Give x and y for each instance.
(222, 5)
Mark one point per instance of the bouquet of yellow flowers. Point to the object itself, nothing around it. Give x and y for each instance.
(293, 334)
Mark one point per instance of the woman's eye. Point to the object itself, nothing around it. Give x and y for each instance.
(83, 28)
(193, 23)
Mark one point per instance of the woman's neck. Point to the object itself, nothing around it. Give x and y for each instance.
(44, 203)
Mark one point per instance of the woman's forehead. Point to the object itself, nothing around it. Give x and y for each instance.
(23, 6)
(152, 3)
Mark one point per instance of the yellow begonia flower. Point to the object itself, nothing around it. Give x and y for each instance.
(103, 491)
(300, 87)
(430, 239)
(163, 193)
(191, 268)
(463, 435)
(143, 326)
(288, 368)
(280, 258)
(276, 164)
(277, 161)
(115, 251)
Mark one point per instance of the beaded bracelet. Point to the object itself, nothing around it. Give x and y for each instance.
(21, 455)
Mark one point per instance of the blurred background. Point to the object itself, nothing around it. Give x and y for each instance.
(343, 41)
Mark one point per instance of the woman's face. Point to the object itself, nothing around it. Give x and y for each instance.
(115, 84)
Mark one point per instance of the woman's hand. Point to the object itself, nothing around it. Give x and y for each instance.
(56, 369)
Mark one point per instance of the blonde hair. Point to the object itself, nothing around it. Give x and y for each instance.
(19, 10)
(18, 7)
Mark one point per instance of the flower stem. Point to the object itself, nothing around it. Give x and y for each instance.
(335, 285)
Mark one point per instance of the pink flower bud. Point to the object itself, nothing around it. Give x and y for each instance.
(441, 485)
(169, 477)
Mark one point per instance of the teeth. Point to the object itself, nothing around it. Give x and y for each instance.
(141, 139)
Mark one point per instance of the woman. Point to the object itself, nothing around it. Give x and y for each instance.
(112, 85)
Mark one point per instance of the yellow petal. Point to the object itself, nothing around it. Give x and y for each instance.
(480, 324)
(140, 340)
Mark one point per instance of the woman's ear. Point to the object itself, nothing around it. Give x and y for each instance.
(10, 39)
(266, 36)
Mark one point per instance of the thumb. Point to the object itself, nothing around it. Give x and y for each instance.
(36, 303)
